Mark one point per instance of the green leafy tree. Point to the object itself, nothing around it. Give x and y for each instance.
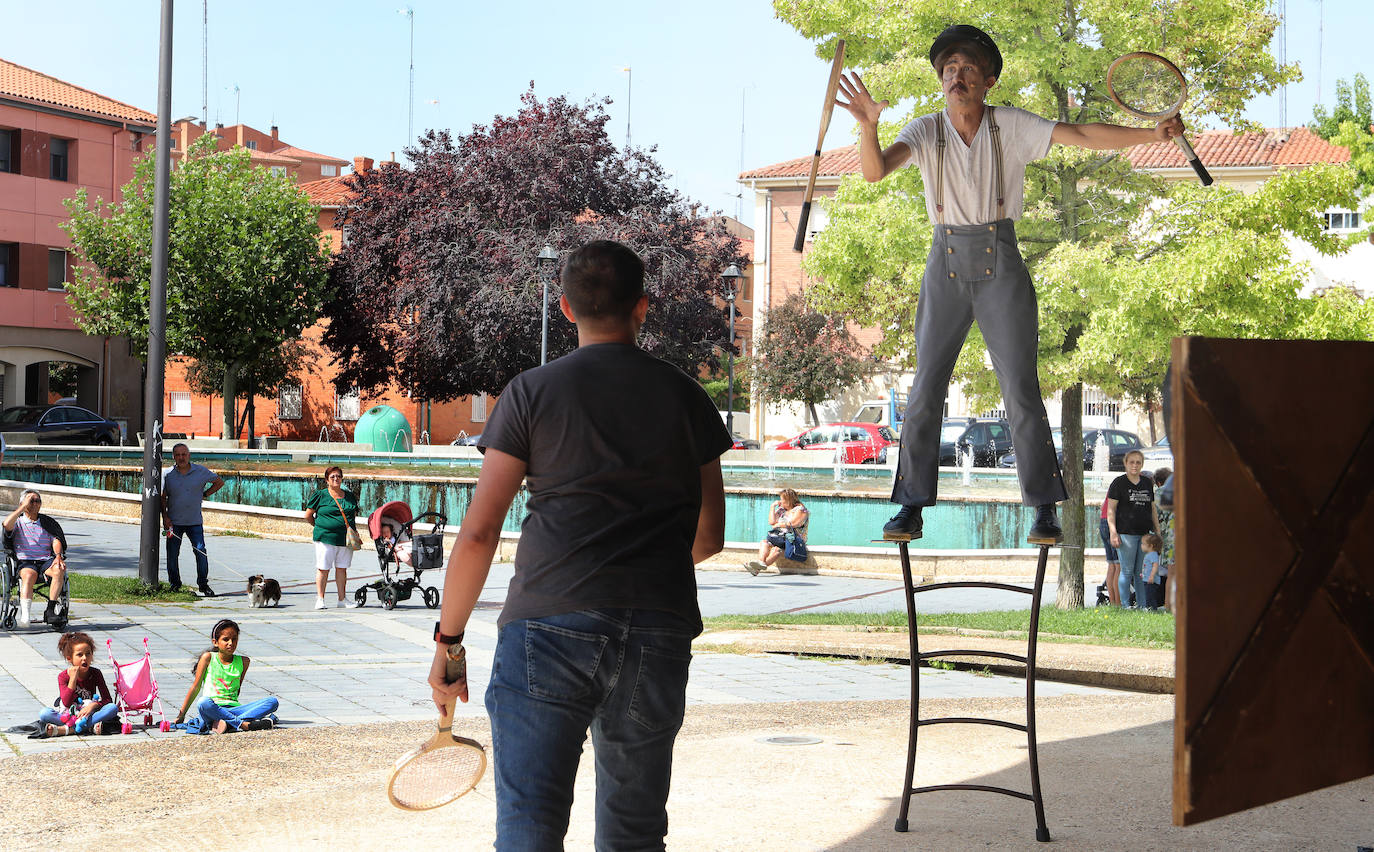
(1115, 277)
(1349, 124)
(717, 383)
(802, 355)
(246, 270)
(263, 376)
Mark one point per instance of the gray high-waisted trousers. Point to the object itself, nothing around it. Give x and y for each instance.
(976, 272)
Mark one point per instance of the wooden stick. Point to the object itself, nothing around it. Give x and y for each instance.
(836, 68)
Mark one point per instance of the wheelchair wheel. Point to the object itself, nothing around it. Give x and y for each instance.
(387, 596)
(8, 609)
(432, 597)
(360, 596)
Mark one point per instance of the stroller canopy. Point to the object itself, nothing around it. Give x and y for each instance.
(396, 510)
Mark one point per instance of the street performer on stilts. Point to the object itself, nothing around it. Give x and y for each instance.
(973, 160)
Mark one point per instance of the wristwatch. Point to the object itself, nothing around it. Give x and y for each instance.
(447, 640)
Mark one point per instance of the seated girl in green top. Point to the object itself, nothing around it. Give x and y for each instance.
(221, 672)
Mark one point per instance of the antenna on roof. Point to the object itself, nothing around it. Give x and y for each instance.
(1283, 60)
(204, 62)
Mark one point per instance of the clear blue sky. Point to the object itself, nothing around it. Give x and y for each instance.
(334, 77)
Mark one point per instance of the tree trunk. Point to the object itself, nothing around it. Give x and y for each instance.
(1150, 415)
(815, 418)
(252, 414)
(231, 374)
(1070, 591)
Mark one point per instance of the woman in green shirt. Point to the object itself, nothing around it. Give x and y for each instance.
(332, 511)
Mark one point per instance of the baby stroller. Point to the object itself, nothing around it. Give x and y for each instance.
(10, 585)
(402, 551)
(136, 690)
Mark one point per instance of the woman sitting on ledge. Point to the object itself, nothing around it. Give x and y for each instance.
(787, 516)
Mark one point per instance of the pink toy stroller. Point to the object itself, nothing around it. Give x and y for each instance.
(136, 690)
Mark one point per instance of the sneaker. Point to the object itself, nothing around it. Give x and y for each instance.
(49, 611)
(256, 725)
(341, 604)
(24, 617)
(1046, 529)
(904, 526)
(755, 567)
(206, 591)
(319, 603)
(174, 587)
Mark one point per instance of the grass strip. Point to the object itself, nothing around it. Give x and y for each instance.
(1095, 625)
(116, 590)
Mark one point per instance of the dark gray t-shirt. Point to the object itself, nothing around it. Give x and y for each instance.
(613, 440)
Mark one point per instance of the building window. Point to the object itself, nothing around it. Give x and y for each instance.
(1341, 220)
(57, 268)
(816, 222)
(179, 404)
(9, 265)
(251, 144)
(329, 171)
(279, 171)
(346, 404)
(999, 413)
(289, 402)
(57, 158)
(9, 150)
(1098, 404)
(479, 408)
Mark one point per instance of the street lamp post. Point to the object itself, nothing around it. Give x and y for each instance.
(547, 258)
(730, 278)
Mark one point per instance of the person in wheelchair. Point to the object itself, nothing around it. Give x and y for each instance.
(39, 547)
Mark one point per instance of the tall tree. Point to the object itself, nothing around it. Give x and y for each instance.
(246, 269)
(1350, 124)
(804, 356)
(1092, 229)
(438, 287)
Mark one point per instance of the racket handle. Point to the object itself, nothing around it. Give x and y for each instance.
(800, 240)
(1193, 160)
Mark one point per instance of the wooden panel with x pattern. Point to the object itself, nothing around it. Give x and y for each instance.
(1275, 545)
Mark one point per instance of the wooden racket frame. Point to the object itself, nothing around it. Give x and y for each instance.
(1163, 115)
(836, 69)
(443, 738)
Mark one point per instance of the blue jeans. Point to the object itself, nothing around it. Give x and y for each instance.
(235, 716)
(623, 674)
(108, 713)
(196, 532)
(1132, 573)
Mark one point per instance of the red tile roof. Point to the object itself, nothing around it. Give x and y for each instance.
(1217, 148)
(302, 154)
(273, 159)
(328, 192)
(1223, 149)
(835, 162)
(29, 85)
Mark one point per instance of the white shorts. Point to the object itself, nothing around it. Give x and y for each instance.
(332, 556)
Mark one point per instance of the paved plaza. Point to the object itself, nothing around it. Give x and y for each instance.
(347, 666)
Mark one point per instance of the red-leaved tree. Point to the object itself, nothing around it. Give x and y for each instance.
(437, 287)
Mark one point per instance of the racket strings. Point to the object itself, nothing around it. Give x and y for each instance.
(1146, 86)
(437, 776)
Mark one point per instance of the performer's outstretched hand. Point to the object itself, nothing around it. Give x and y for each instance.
(854, 97)
(1168, 129)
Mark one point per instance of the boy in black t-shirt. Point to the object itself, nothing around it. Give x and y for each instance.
(599, 618)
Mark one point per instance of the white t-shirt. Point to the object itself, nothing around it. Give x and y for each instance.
(970, 176)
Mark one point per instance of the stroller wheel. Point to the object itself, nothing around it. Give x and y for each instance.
(165, 726)
(432, 597)
(360, 596)
(148, 720)
(126, 728)
(388, 596)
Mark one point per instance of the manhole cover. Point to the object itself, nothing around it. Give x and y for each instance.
(790, 741)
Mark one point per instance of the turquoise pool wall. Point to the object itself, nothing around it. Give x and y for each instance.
(837, 518)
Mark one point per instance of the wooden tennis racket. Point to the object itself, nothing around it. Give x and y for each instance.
(836, 69)
(1148, 86)
(444, 768)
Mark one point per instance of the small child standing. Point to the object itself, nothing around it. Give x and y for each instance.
(1155, 571)
(85, 703)
(222, 672)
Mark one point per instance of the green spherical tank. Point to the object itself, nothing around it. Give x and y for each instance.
(385, 428)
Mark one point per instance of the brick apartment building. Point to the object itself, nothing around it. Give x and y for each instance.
(56, 138)
(1242, 161)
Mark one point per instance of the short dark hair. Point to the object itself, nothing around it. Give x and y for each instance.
(603, 280)
(969, 48)
(1162, 475)
(331, 469)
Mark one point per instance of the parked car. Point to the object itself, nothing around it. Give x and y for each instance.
(1119, 443)
(466, 440)
(744, 443)
(989, 439)
(859, 443)
(60, 424)
(1160, 455)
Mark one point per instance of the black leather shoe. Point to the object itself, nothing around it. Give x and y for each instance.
(904, 526)
(206, 592)
(175, 587)
(1046, 529)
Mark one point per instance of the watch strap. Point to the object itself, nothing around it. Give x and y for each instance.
(440, 637)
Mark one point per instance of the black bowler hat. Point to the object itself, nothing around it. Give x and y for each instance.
(967, 32)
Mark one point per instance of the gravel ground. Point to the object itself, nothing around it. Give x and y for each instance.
(1105, 762)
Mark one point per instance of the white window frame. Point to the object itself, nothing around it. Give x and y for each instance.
(179, 404)
(329, 170)
(347, 405)
(1351, 220)
(278, 171)
(479, 408)
(289, 399)
(1096, 403)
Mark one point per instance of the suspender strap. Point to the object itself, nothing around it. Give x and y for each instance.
(997, 161)
(940, 143)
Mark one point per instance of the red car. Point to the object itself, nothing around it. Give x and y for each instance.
(860, 443)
